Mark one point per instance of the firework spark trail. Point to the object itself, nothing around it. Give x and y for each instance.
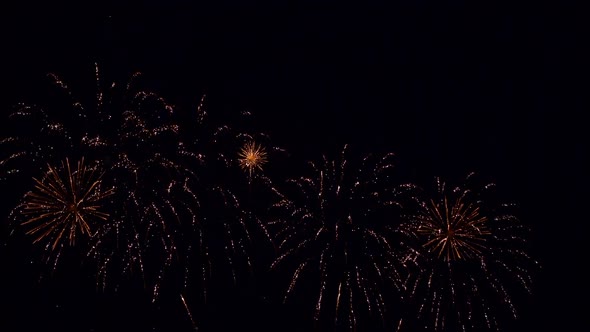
(188, 312)
(466, 252)
(336, 221)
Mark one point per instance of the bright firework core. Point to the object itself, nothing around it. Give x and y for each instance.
(251, 157)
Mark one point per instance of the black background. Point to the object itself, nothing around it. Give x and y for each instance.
(449, 86)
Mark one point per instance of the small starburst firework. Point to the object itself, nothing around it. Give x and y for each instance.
(337, 226)
(470, 257)
(64, 204)
(252, 157)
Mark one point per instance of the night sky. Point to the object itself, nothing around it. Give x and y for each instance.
(498, 87)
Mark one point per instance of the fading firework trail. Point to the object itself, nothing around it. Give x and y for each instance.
(335, 226)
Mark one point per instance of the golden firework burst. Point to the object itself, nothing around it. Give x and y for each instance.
(251, 157)
(64, 202)
(453, 230)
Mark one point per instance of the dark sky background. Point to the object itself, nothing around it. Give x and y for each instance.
(449, 86)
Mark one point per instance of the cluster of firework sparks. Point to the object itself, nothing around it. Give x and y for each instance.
(142, 190)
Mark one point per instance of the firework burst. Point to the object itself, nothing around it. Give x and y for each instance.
(336, 227)
(172, 211)
(468, 250)
(252, 157)
(128, 131)
(64, 203)
(228, 230)
(453, 230)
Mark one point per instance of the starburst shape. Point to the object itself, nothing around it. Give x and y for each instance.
(453, 229)
(63, 203)
(467, 258)
(252, 157)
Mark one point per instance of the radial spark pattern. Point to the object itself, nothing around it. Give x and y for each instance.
(453, 230)
(252, 157)
(64, 204)
(469, 251)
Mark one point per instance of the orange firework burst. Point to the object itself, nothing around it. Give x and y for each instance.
(467, 258)
(64, 202)
(455, 230)
(251, 157)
